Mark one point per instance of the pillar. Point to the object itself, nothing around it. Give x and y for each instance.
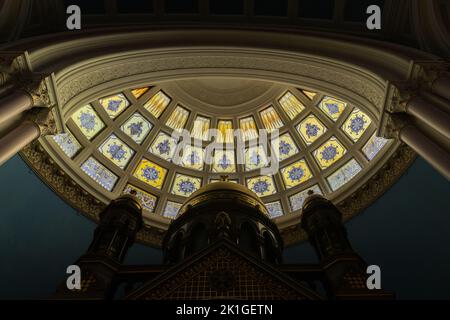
(17, 139)
(430, 115)
(119, 223)
(426, 148)
(14, 104)
(441, 87)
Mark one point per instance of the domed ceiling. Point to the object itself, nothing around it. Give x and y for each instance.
(127, 140)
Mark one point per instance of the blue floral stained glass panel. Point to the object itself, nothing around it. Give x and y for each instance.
(275, 209)
(373, 146)
(298, 199)
(67, 143)
(344, 174)
(171, 210)
(100, 174)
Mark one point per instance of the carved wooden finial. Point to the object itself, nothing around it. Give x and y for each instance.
(224, 178)
(310, 192)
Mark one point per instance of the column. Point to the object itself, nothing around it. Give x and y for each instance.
(441, 87)
(17, 139)
(14, 104)
(429, 114)
(426, 148)
(37, 122)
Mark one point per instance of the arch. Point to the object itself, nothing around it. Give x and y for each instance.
(198, 239)
(175, 250)
(248, 240)
(270, 251)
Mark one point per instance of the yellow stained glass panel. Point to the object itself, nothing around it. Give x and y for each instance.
(248, 127)
(200, 128)
(332, 107)
(356, 124)
(88, 121)
(157, 104)
(226, 134)
(271, 119)
(262, 185)
(150, 173)
(296, 173)
(193, 158)
(185, 185)
(116, 151)
(178, 118)
(138, 92)
(311, 129)
(291, 105)
(114, 105)
(309, 94)
(330, 152)
(224, 161)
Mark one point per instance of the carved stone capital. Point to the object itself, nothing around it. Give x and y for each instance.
(426, 72)
(391, 125)
(38, 90)
(398, 95)
(44, 119)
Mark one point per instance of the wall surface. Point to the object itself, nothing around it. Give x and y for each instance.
(406, 233)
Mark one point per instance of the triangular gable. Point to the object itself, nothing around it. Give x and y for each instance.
(222, 272)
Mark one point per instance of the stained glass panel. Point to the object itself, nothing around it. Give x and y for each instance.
(116, 151)
(218, 180)
(330, 152)
(298, 199)
(114, 105)
(285, 145)
(226, 134)
(148, 201)
(150, 173)
(88, 121)
(164, 146)
(137, 93)
(296, 173)
(309, 94)
(157, 104)
(255, 158)
(248, 127)
(178, 118)
(332, 107)
(99, 173)
(275, 209)
(311, 129)
(344, 174)
(193, 158)
(67, 143)
(200, 128)
(224, 161)
(262, 185)
(373, 146)
(137, 128)
(185, 185)
(271, 119)
(171, 209)
(356, 124)
(291, 105)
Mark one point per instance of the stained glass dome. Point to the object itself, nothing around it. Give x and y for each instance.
(124, 141)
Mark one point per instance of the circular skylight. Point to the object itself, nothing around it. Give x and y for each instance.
(128, 141)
